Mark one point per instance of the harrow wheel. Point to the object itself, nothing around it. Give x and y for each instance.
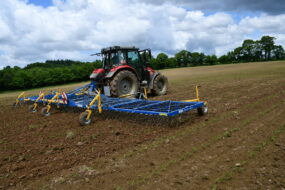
(45, 112)
(31, 109)
(83, 119)
(202, 110)
(15, 105)
(19, 104)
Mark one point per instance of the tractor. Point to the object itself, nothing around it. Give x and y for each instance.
(126, 71)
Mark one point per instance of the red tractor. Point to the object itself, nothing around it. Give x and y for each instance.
(126, 71)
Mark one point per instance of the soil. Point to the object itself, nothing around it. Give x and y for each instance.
(238, 145)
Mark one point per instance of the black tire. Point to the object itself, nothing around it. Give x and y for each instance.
(82, 119)
(160, 85)
(15, 105)
(124, 82)
(31, 108)
(44, 111)
(202, 110)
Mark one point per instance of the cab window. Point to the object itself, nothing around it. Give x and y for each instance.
(133, 57)
(117, 58)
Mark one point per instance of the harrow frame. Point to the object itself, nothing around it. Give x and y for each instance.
(89, 98)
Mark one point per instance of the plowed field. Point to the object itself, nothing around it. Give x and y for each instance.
(240, 144)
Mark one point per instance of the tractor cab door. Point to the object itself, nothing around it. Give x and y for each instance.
(134, 61)
(145, 57)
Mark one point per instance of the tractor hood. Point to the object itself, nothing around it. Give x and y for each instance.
(97, 74)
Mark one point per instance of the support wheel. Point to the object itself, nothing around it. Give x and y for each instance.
(160, 85)
(202, 110)
(125, 82)
(45, 112)
(31, 109)
(15, 105)
(83, 119)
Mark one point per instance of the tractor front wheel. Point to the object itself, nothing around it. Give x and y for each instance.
(160, 85)
(125, 82)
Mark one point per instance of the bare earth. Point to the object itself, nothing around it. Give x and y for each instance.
(240, 144)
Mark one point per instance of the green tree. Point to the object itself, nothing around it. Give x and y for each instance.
(161, 60)
(211, 60)
(172, 63)
(197, 59)
(267, 43)
(248, 50)
(224, 59)
(183, 58)
(278, 52)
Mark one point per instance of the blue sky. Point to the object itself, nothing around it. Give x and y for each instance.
(72, 29)
(43, 3)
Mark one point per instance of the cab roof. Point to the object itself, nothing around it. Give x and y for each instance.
(116, 48)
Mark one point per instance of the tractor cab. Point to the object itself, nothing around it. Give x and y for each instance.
(131, 56)
(125, 70)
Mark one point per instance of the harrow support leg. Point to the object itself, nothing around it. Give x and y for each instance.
(17, 102)
(33, 108)
(85, 117)
(46, 110)
(145, 93)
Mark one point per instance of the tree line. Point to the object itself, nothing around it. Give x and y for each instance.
(250, 51)
(54, 72)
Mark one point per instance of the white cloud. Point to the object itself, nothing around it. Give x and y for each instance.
(71, 28)
(266, 23)
(273, 7)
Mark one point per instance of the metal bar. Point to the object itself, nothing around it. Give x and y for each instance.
(188, 108)
(149, 105)
(128, 102)
(145, 106)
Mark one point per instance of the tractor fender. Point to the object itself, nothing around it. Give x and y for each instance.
(115, 70)
(155, 74)
(97, 74)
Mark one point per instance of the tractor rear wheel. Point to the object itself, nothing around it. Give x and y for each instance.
(160, 85)
(125, 82)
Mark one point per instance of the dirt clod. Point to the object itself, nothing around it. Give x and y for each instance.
(70, 134)
(80, 143)
(238, 165)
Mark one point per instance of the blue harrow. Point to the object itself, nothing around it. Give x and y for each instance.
(91, 99)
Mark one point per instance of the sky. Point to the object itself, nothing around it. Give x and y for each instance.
(39, 30)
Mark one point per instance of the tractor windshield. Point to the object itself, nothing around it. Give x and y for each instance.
(114, 58)
(117, 58)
